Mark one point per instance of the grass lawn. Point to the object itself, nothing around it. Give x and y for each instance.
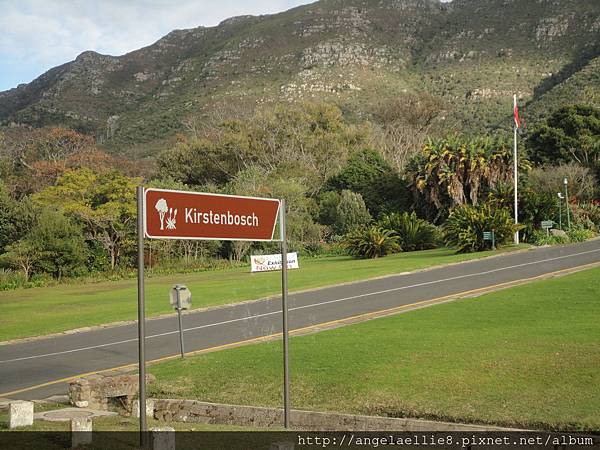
(39, 311)
(526, 357)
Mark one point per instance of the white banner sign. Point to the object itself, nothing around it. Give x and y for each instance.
(266, 263)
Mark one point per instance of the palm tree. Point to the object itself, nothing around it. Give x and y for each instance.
(454, 171)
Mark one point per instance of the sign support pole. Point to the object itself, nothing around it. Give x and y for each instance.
(180, 325)
(141, 318)
(284, 301)
(516, 175)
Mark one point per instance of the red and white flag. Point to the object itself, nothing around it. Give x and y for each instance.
(516, 113)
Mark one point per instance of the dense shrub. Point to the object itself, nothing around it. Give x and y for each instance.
(576, 233)
(535, 207)
(328, 203)
(466, 224)
(549, 180)
(367, 173)
(586, 215)
(372, 242)
(579, 234)
(351, 213)
(540, 237)
(414, 233)
(11, 279)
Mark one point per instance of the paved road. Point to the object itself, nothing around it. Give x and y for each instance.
(32, 363)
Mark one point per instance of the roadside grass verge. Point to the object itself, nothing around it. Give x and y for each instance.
(40, 311)
(524, 357)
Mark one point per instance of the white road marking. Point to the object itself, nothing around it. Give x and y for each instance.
(311, 305)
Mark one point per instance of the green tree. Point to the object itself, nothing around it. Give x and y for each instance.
(16, 218)
(311, 139)
(457, 171)
(303, 232)
(351, 213)
(202, 160)
(328, 203)
(367, 173)
(59, 244)
(570, 134)
(104, 203)
(22, 255)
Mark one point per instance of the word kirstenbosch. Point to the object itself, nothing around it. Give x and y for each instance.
(192, 215)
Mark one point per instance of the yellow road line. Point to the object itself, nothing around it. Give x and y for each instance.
(364, 316)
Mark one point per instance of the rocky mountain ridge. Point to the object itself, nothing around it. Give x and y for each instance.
(472, 54)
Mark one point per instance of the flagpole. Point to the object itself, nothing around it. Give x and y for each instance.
(516, 170)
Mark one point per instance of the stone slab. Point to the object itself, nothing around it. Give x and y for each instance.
(67, 414)
(135, 408)
(20, 414)
(163, 438)
(81, 431)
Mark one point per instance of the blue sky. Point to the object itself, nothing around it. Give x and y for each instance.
(36, 35)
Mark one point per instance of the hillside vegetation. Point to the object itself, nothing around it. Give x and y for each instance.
(471, 55)
(385, 126)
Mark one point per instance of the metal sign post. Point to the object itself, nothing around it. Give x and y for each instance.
(141, 318)
(180, 326)
(170, 214)
(284, 304)
(180, 304)
(560, 197)
(566, 183)
(516, 170)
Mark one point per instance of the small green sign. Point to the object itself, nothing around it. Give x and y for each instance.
(490, 236)
(547, 224)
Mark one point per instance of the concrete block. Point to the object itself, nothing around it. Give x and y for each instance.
(282, 446)
(81, 431)
(163, 438)
(135, 409)
(20, 414)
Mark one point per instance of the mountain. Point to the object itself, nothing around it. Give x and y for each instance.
(471, 54)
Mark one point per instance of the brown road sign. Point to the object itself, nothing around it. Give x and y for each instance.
(193, 215)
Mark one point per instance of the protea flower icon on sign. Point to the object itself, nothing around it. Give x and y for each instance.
(171, 219)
